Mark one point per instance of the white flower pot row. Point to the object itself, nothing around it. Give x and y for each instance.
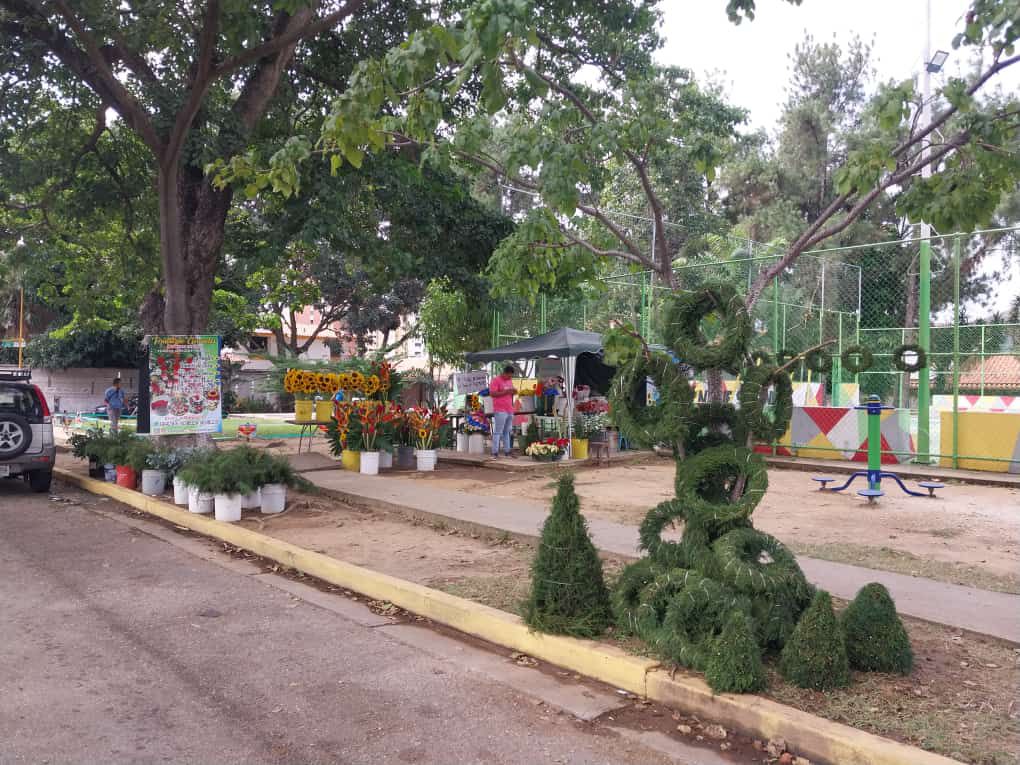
(271, 498)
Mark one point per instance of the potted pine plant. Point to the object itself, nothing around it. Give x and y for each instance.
(88, 446)
(195, 475)
(275, 475)
(231, 475)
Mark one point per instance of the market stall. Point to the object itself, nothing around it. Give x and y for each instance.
(575, 350)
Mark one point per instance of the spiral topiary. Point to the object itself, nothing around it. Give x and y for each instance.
(753, 387)
(645, 425)
(683, 322)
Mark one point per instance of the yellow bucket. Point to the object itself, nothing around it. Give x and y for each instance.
(351, 460)
(579, 448)
(324, 410)
(303, 409)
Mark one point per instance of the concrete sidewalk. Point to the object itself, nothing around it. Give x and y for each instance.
(989, 613)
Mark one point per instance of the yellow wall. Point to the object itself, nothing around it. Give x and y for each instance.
(983, 434)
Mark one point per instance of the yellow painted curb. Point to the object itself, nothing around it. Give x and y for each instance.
(813, 737)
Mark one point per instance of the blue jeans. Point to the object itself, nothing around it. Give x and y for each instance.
(502, 422)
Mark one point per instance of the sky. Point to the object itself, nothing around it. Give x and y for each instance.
(751, 60)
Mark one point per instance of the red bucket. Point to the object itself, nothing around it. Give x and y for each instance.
(126, 477)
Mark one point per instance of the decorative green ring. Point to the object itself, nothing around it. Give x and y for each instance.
(664, 553)
(752, 407)
(683, 319)
(694, 619)
(655, 599)
(740, 553)
(651, 425)
(817, 360)
(709, 416)
(700, 488)
(902, 365)
(626, 595)
(857, 365)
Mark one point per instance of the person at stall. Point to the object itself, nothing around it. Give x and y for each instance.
(501, 390)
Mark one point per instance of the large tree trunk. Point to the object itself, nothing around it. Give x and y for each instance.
(192, 218)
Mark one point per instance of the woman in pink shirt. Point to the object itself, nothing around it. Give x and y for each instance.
(501, 390)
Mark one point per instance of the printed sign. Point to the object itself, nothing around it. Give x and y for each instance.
(184, 384)
(469, 382)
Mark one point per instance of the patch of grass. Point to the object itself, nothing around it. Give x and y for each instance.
(887, 559)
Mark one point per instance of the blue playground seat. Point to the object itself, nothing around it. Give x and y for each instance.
(823, 479)
(931, 486)
(871, 494)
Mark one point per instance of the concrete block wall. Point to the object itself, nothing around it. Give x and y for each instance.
(80, 389)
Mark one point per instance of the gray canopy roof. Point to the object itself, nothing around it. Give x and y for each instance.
(560, 342)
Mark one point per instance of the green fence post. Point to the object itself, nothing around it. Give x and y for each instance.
(495, 327)
(837, 364)
(982, 352)
(956, 354)
(542, 326)
(924, 340)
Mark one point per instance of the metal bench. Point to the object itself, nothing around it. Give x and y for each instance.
(823, 480)
(931, 486)
(871, 494)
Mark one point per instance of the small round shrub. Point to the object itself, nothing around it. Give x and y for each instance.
(815, 655)
(875, 638)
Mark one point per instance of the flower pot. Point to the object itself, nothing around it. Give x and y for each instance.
(579, 448)
(198, 501)
(303, 409)
(153, 482)
(180, 492)
(110, 473)
(426, 460)
(369, 463)
(227, 507)
(405, 457)
(324, 410)
(126, 476)
(462, 442)
(351, 460)
(251, 501)
(95, 469)
(476, 443)
(385, 459)
(274, 498)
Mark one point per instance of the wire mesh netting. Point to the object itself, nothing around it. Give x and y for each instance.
(869, 295)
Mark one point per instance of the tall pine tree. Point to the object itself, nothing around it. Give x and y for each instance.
(568, 592)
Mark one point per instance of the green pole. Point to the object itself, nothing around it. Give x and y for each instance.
(924, 340)
(874, 441)
(542, 320)
(837, 363)
(982, 352)
(956, 353)
(776, 347)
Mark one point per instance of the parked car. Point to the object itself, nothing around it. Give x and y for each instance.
(27, 448)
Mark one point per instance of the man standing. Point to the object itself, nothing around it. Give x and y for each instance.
(501, 390)
(114, 398)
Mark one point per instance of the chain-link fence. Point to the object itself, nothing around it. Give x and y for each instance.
(868, 295)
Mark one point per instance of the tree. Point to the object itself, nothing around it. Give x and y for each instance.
(450, 324)
(569, 130)
(191, 83)
(568, 594)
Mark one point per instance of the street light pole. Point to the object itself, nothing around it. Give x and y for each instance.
(924, 301)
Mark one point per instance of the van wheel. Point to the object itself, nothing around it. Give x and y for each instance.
(40, 480)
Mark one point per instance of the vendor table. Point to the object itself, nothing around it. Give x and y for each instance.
(308, 428)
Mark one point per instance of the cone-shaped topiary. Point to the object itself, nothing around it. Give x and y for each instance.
(568, 592)
(875, 638)
(815, 655)
(734, 662)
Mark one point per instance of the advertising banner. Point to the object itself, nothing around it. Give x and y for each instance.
(184, 384)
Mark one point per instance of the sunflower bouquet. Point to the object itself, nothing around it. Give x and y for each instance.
(301, 384)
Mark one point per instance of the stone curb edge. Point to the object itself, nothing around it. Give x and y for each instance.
(814, 737)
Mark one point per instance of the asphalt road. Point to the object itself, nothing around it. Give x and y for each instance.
(118, 647)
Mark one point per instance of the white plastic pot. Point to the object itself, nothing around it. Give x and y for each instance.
(462, 442)
(487, 405)
(180, 492)
(251, 501)
(426, 459)
(370, 463)
(476, 443)
(385, 459)
(153, 482)
(227, 507)
(274, 498)
(110, 473)
(198, 501)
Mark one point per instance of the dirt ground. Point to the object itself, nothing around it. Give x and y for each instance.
(961, 700)
(969, 535)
